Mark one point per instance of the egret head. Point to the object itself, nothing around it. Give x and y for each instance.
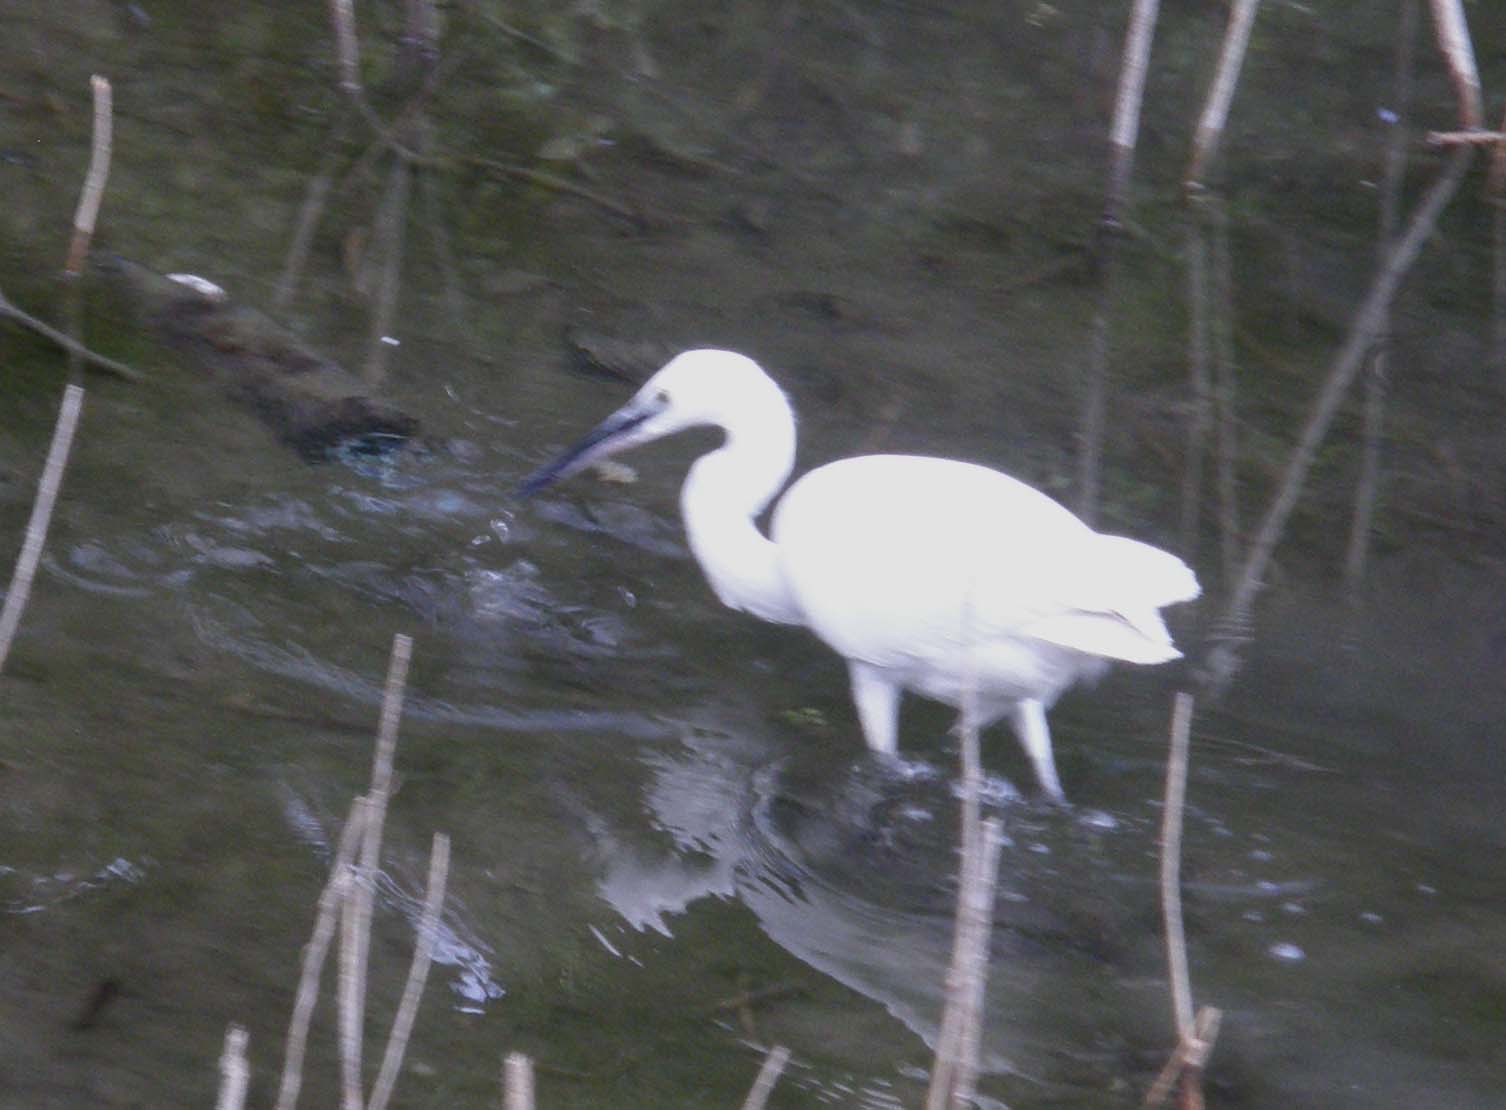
(696, 388)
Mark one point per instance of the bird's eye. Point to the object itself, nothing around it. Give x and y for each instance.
(662, 397)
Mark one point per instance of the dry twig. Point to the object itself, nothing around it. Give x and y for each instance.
(1465, 138)
(41, 516)
(517, 1082)
(418, 971)
(1187, 1062)
(1231, 58)
(1459, 54)
(347, 51)
(1126, 126)
(1171, 865)
(356, 918)
(768, 1075)
(94, 181)
(955, 1070)
(235, 1073)
(314, 952)
(1195, 1033)
(67, 342)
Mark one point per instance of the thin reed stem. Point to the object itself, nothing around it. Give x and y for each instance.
(87, 213)
(1171, 866)
(1210, 128)
(1366, 327)
(1123, 137)
(1464, 138)
(355, 928)
(954, 1071)
(386, 748)
(336, 890)
(1126, 126)
(1459, 54)
(235, 1073)
(41, 518)
(517, 1082)
(356, 932)
(418, 972)
(347, 56)
(67, 342)
(768, 1075)
(1187, 1062)
(1196, 1033)
(979, 913)
(343, 16)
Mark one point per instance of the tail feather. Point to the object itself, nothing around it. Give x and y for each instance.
(1135, 637)
(1147, 575)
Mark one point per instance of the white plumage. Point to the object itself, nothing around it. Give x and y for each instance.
(924, 574)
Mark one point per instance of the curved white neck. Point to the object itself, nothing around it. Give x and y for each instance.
(725, 490)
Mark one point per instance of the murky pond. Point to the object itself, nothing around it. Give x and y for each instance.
(670, 848)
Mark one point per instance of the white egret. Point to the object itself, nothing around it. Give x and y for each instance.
(928, 575)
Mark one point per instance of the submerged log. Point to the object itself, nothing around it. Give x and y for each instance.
(312, 403)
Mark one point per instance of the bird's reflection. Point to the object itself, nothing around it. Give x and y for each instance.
(852, 873)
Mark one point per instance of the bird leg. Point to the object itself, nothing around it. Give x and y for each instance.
(877, 701)
(1030, 726)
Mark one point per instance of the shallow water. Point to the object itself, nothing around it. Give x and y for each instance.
(669, 847)
(641, 828)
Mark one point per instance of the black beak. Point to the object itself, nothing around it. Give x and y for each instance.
(607, 438)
